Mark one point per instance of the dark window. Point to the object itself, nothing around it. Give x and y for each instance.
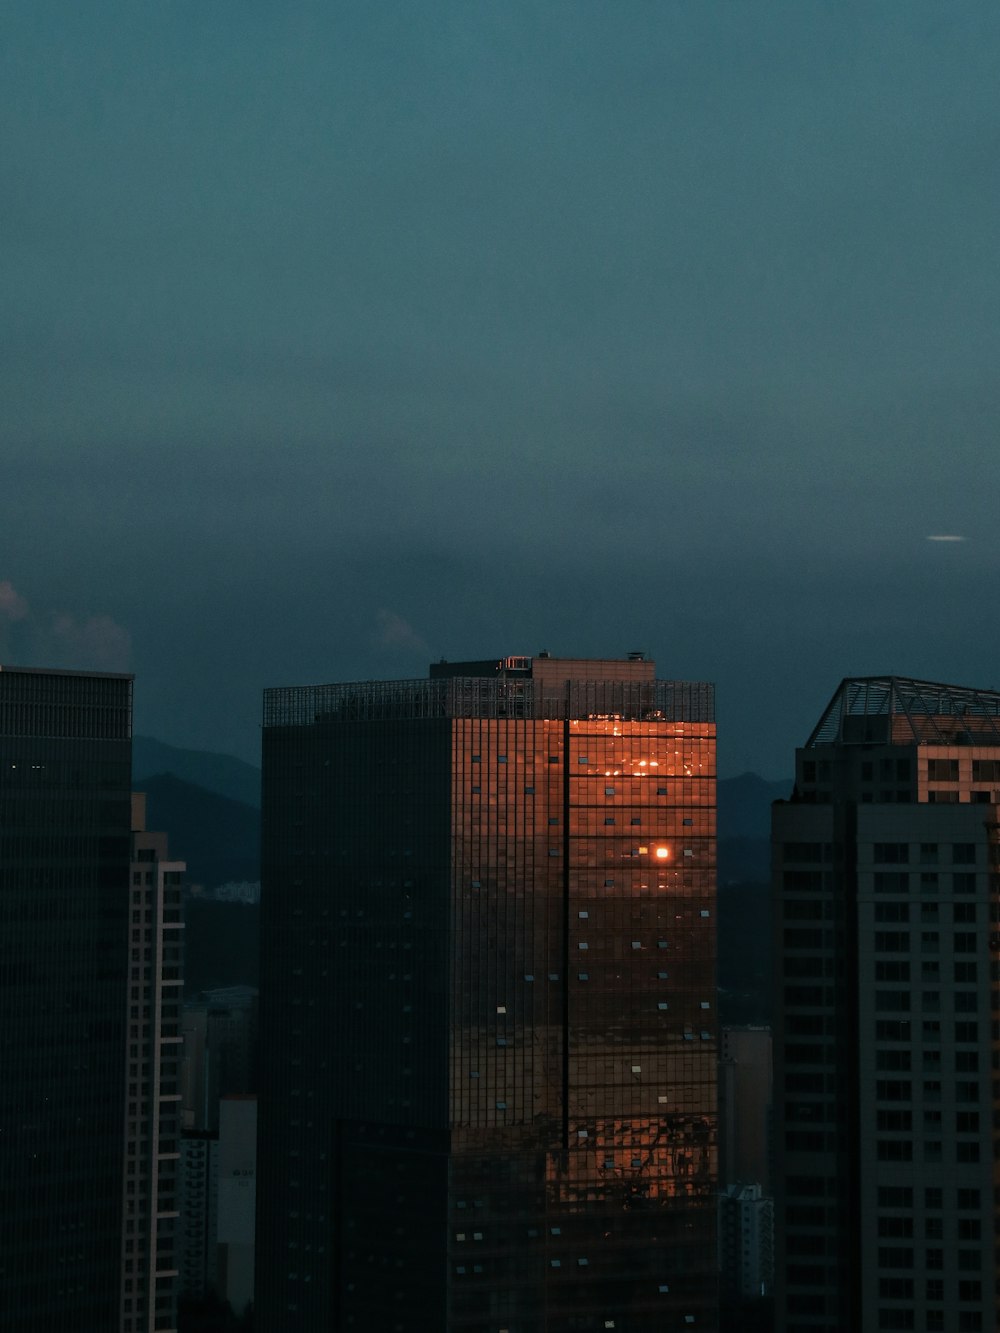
(890, 853)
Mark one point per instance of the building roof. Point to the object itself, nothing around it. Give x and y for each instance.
(899, 710)
(490, 696)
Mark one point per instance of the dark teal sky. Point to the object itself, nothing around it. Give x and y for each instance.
(336, 337)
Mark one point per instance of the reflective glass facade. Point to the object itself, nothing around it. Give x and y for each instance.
(487, 1003)
(65, 773)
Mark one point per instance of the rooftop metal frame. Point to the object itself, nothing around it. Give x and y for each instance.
(488, 697)
(932, 713)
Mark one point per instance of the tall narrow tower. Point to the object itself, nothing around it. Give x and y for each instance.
(65, 773)
(887, 1041)
(152, 1117)
(488, 1038)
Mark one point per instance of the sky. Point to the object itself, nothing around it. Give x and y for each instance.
(340, 338)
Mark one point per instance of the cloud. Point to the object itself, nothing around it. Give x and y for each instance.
(12, 604)
(95, 644)
(945, 537)
(396, 633)
(58, 639)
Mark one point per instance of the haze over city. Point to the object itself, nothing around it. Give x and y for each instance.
(343, 338)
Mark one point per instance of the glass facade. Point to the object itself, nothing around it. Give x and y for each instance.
(65, 773)
(487, 1001)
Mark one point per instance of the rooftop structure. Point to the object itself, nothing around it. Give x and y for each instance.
(899, 710)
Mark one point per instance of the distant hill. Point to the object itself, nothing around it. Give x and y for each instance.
(218, 838)
(220, 773)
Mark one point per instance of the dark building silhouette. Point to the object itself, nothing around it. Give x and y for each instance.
(886, 1042)
(488, 1043)
(65, 772)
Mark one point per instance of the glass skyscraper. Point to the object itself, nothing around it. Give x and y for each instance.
(65, 772)
(488, 1038)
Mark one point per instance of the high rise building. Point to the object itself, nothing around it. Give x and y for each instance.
(198, 1241)
(220, 1052)
(745, 1106)
(746, 1244)
(237, 1193)
(65, 807)
(886, 1038)
(152, 1114)
(488, 1043)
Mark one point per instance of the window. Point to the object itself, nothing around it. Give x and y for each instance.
(892, 941)
(893, 1090)
(890, 853)
(894, 1150)
(892, 911)
(897, 1121)
(895, 1256)
(891, 881)
(892, 1029)
(895, 1196)
(895, 1227)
